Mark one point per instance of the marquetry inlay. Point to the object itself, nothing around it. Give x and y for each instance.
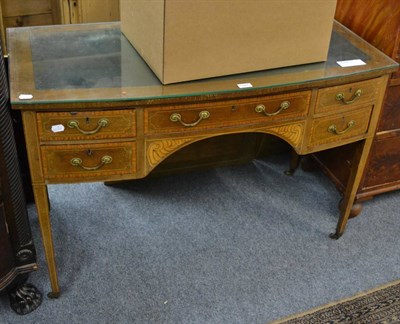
(291, 133)
(159, 150)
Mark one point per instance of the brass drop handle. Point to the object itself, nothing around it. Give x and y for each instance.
(104, 160)
(177, 117)
(333, 128)
(340, 97)
(103, 122)
(283, 106)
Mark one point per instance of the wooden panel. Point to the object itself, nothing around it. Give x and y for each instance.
(376, 21)
(99, 10)
(397, 56)
(87, 11)
(383, 167)
(21, 21)
(57, 160)
(56, 11)
(227, 113)
(17, 13)
(25, 7)
(390, 117)
(320, 133)
(328, 102)
(119, 124)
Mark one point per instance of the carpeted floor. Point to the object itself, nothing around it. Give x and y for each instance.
(243, 244)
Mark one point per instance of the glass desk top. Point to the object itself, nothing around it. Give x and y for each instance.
(95, 62)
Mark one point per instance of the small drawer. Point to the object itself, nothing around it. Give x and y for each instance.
(234, 113)
(340, 127)
(89, 161)
(65, 126)
(347, 97)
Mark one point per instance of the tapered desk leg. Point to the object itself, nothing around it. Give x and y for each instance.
(294, 163)
(43, 211)
(357, 170)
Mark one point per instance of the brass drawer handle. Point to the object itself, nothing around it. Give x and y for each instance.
(284, 105)
(177, 117)
(104, 160)
(333, 128)
(101, 123)
(340, 97)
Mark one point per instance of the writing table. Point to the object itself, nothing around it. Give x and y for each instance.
(95, 111)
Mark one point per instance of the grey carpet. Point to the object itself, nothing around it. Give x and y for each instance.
(243, 244)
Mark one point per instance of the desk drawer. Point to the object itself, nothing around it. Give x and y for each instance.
(89, 161)
(224, 114)
(340, 127)
(347, 97)
(65, 126)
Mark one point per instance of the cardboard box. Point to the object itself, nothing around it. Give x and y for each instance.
(185, 40)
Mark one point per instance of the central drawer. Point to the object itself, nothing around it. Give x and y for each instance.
(88, 160)
(185, 118)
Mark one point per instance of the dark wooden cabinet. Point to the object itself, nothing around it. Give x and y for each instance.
(378, 22)
(17, 251)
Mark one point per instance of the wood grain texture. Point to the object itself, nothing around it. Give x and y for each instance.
(227, 113)
(375, 21)
(99, 10)
(225, 150)
(12, 8)
(384, 162)
(160, 149)
(378, 22)
(327, 102)
(43, 210)
(321, 135)
(23, 21)
(120, 124)
(18, 13)
(390, 118)
(57, 160)
(88, 11)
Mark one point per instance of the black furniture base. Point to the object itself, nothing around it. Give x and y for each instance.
(17, 251)
(24, 298)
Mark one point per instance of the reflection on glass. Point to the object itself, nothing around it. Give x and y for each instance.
(61, 63)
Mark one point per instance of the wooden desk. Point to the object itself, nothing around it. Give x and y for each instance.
(97, 112)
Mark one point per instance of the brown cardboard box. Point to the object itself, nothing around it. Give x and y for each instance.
(185, 40)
